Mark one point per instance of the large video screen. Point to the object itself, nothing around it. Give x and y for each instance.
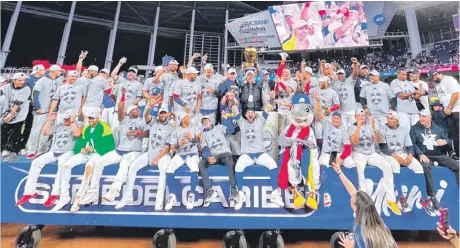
(320, 25)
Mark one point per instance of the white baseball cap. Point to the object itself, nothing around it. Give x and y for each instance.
(105, 70)
(250, 72)
(231, 70)
(93, 68)
(55, 68)
(374, 73)
(173, 62)
(133, 70)
(72, 73)
(131, 107)
(340, 71)
(68, 114)
(36, 68)
(208, 66)
(309, 70)
(20, 75)
(324, 79)
(299, 23)
(93, 114)
(191, 70)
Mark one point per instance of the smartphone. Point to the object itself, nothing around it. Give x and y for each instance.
(333, 157)
(444, 219)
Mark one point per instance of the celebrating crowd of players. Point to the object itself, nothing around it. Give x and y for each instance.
(95, 119)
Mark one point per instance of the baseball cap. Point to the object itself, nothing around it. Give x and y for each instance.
(36, 68)
(208, 66)
(394, 114)
(414, 71)
(437, 103)
(300, 99)
(265, 72)
(191, 70)
(324, 79)
(231, 70)
(68, 114)
(425, 112)
(93, 68)
(431, 73)
(19, 75)
(309, 70)
(157, 69)
(180, 116)
(131, 108)
(299, 23)
(363, 67)
(335, 113)
(374, 73)
(55, 68)
(93, 114)
(359, 111)
(156, 91)
(173, 62)
(340, 71)
(105, 70)
(133, 70)
(251, 109)
(327, 65)
(205, 117)
(250, 72)
(163, 109)
(72, 73)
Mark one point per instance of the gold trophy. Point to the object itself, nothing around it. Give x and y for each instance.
(250, 55)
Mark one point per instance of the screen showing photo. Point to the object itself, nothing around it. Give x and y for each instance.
(320, 25)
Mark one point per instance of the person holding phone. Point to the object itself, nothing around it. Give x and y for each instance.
(369, 229)
(449, 234)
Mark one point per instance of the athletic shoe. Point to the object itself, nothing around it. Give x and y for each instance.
(240, 200)
(62, 203)
(428, 206)
(76, 205)
(171, 201)
(159, 204)
(90, 197)
(233, 194)
(12, 157)
(5, 153)
(51, 201)
(26, 198)
(111, 195)
(22, 152)
(394, 207)
(276, 198)
(31, 156)
(190, 201)
(313, 200)
(299, 200)
(210, 195)
(123, 203)
(402, 204)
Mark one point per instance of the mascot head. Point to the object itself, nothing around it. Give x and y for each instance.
(301, 113)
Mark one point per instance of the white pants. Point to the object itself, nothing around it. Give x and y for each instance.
(113, 158)
(141, 162)
(67, 171)
(115, 126)
(407, 120)
(108, 115)
(376, 160)
(415, 166)
(245, 161)
(36, 167)
(177, 161)
(325, 157)
(37, 143)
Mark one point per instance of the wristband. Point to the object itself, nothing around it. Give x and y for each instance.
(138, 132)
(339, 173)
(122, 99)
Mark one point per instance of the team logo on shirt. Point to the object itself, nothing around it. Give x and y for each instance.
(394, 144)
(343, 92)
(217, 144)
(69, 95)
(376, 98)
(62, 138)
(156, 141)
(250, 135)
(132, 128)
(191, 96)
(333, 140)
(365, 142)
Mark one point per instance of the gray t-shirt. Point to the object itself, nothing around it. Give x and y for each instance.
(396, 139)
(133, 90)
(149, 85)
(328, 97)
(252, 135)
(18, 97)
(130, 143)
(334, 138)
(179, 133)
(346, 92)
(70, 97)
(82, 81)
(168, 80)
(188, 92)
(216, 141)
(209, 100)
(95, 91)
(366, 140)
(63, 139)
(286, 97)
(159, 137)
(378, 98)
(404, 105)
(47, 88)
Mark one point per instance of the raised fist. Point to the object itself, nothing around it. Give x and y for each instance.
(122, 61)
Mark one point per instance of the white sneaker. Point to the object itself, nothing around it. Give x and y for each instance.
(190, 201)
(240, 200)
(76, 205)
(62, 202)
(171, 201)
(159, 203)
(5, 153)
(123, 203)
(276, 198)
(111, 195)
(22, 152)
(89, 198)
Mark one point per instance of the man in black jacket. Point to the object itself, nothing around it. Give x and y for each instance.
(431, 143)
(251, 93)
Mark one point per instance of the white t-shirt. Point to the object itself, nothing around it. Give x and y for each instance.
(423, 99)
(446, 88)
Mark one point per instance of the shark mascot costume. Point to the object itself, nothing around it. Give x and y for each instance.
(299, 155)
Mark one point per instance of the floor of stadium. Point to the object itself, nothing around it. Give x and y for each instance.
(113, 237)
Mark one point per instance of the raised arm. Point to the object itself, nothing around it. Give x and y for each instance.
(121, 105)
(46, 130)
(347, 183)
(115, 71)
(80, 61)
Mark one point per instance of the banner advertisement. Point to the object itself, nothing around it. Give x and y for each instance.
(320, 25)
(255, 30)
(424, 70)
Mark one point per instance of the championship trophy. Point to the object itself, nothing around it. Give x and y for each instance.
(250, 55)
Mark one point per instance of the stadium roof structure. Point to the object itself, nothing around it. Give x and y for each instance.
(139, 16)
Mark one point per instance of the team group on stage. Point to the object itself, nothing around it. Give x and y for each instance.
(200, 119)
